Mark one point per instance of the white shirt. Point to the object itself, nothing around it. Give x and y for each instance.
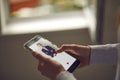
(100, 54)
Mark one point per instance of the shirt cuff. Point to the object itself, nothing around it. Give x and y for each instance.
(65, 76)
(104, 54)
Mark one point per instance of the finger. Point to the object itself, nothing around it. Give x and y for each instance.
(72, 54)
(65, 47)
(34, 53)
(39, 56)
(40, 66)
(68, 48)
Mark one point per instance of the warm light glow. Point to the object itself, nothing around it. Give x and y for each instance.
(74, 22)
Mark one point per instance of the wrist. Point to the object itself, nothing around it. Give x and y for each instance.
(88, 53)
(85, 56)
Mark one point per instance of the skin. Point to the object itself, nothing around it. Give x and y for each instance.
(48, 67)
(51, 68)
(82, 53)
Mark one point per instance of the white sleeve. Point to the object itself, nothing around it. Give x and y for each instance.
(104, 54)
(65, 76)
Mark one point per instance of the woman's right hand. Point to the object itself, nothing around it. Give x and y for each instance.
(82, 53)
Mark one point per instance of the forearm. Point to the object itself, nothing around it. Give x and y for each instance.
(104, 54)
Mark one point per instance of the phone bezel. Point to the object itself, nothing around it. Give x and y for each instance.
(74, 66)
(31, 41)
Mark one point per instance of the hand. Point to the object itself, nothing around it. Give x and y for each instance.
(82, 53)
(48, 67)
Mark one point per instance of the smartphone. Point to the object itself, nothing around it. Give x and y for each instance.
(48, 49)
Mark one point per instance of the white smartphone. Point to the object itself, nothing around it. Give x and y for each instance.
(48, 49)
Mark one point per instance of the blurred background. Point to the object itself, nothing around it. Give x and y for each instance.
(84, 22)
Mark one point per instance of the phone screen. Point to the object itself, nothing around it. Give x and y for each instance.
(45, 47)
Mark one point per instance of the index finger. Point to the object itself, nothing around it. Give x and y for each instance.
(65, 47)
